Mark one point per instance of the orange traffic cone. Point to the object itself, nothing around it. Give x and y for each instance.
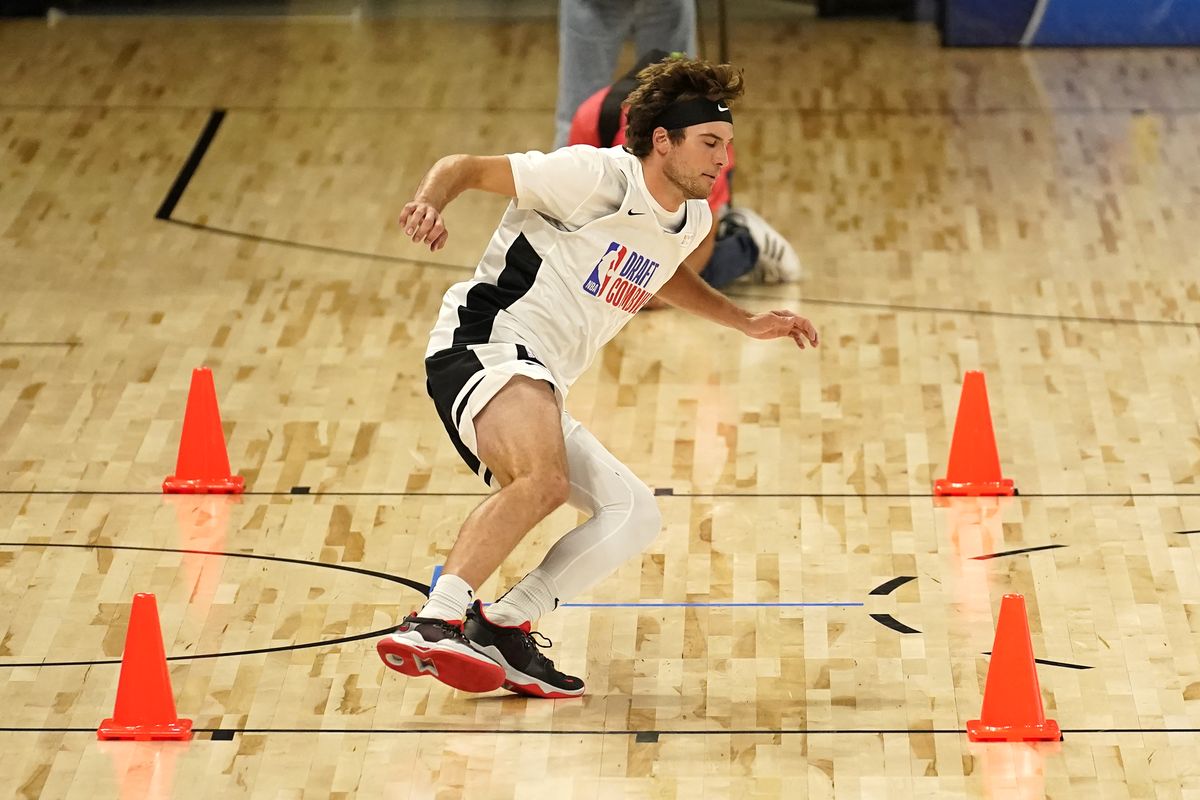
(145, 708)
(1012, 699)
(203, 464)
(974, 467)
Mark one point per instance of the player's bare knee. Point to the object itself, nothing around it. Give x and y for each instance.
(546, 490)
(556, 488)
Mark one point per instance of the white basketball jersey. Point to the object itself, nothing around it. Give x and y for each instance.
(568, 266)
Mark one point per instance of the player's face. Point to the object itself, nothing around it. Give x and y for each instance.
(694, 163)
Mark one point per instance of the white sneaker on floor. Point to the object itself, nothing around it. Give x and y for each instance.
(777, 260)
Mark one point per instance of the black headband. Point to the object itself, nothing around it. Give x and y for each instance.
(698, 110)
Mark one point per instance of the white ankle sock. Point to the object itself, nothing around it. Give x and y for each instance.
(532, 597)
(449, 599)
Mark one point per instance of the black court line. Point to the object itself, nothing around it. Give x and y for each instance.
(40, 344)
(1195, 531)
(200, 656)
(317, 248)
(888, 621)
(190, 166)
(214, 122)
(664, 493)
(417, 585)
(226, 734)
(1023, 495)
(420, 587)
(1017, 552)
(891, 585)
(160, 493)
(1049, 663)
(583, 732)
(810, 301)
(974, 312)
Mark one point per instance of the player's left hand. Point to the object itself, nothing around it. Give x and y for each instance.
(781, 323)
(423, 223)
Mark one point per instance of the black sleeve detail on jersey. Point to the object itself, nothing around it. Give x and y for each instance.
(485, 301)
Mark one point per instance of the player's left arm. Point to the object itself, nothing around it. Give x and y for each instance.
(421, 217)
(687, 290)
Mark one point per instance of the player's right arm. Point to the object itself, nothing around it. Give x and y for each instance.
(421, 217)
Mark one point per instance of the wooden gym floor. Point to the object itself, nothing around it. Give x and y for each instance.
(1031, 214)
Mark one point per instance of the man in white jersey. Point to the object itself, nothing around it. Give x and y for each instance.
(589, 237)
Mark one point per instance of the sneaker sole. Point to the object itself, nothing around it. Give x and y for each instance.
(522, 684)
(537, 689)
(462, 671)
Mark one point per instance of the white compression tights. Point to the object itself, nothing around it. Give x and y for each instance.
(625, 520)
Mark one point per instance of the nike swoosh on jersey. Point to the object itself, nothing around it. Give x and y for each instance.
(633, 213)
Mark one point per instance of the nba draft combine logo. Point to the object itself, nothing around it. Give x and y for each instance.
(620, 278)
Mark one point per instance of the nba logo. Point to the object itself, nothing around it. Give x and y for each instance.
(593, 285)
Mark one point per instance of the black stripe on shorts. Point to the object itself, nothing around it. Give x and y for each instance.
(447, 373)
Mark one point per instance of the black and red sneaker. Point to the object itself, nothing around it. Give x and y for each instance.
(527, 671)
(437, 647)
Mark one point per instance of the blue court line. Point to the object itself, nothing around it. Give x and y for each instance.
(711, 605)
(437, 570)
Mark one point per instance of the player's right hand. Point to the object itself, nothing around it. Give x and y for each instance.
(423, 224)
(781, 323)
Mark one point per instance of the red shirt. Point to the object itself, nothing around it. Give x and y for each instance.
(585, 129)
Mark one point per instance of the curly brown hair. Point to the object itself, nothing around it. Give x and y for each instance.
(669, 80)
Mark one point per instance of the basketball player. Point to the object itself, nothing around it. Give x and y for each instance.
(588, 238)
(742, 243)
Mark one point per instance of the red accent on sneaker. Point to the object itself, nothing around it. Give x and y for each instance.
(533, 690)
(526, 626)
(458, 623)
(454, 669)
